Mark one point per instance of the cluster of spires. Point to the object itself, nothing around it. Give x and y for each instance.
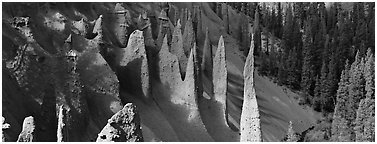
(181, 60)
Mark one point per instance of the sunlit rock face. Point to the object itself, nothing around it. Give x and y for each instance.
(28, 130)
(124, 126)
(250, 118)
(168, 67)
(62, 133)
(177, 49)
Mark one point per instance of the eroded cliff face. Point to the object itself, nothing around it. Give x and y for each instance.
(71, 74)
(77, 68)
(116, 72)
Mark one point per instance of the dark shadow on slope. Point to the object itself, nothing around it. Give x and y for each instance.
(130, 78)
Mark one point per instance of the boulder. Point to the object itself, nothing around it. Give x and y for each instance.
(124, 126)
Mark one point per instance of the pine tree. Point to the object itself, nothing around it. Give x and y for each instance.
(288, 30)
(272, 59)
(364, 125)
(279, 21)
(257, 32)
(344, 41)
(369, 74)
(370, 31)
(359, 24)
(332, 78)
(281, 72)
(338, 125)
(292, 69)
(326, 99)
(356, 92)
(307, 75)
(317, 95)
(292, 48)
(291, 134)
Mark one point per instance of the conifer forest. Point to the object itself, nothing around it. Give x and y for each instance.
(188, 72)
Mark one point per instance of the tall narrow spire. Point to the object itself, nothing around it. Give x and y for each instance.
(250, 119)
(62, 133)
(177, 49)
(220, 76)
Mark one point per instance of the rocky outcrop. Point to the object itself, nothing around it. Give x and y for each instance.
(177, 49)
(133, 66)
(4, 126)
(28, 130)
(250, 126)
(80, 27)
(97, 29)
(124, 126)
(188, 35)
(22, 24)
(62, 133)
